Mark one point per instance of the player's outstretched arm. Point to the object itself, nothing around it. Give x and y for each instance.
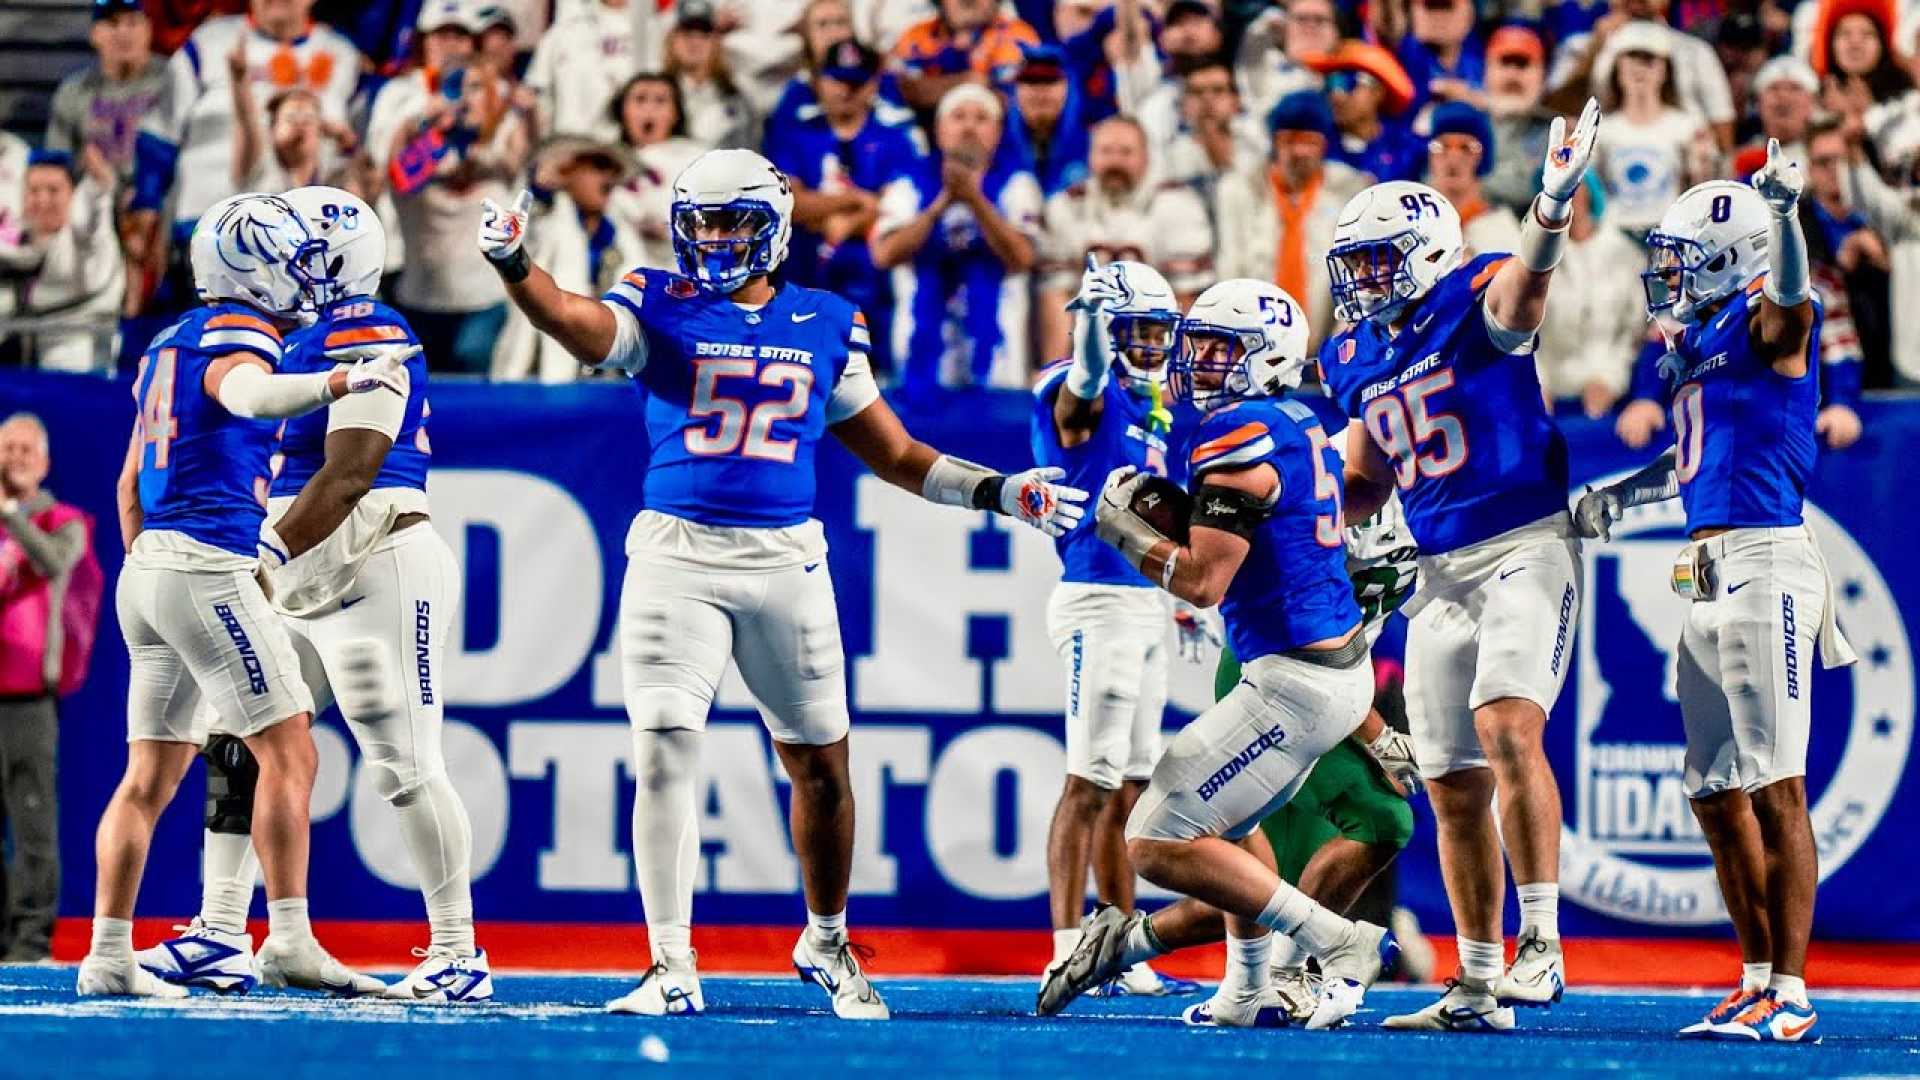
(877, 437)
(1516, 299)
(1369, 476)
(582, 325)
(244, 385)
(1784, 323)
(1077, 408)
(1228, 507)
(1597, 511)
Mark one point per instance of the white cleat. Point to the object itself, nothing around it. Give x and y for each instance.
(1261, 1008)
(103, 977)
(1142, 981)
(667, 989)
(303, 964)
(203, 956)
(1464, 1007)
(444, 977)
(1538, 975)
(835, 968)
(1368, 955)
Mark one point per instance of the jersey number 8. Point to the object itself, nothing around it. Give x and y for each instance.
(745, 428)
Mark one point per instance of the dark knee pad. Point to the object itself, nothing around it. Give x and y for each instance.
(232, 774)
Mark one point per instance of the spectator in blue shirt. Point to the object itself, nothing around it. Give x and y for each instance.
(823, 25)
(1435, 41)
(1050, 119)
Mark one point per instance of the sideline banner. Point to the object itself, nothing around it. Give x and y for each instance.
(956, 692)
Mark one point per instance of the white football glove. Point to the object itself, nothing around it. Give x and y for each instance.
(1394, 751)
(1037, 498)
(1116, 493)
(1596, 513)
(1779, 182)
(1568, 155)
(1196, 632)
(503, 230)
(1099, 287)
(376, 367)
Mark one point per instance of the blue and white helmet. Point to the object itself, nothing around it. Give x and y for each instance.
(348, 249)
(744, 198)
(1266, 335)
(1708, 246)
(1392, 244)
(1146, 300)
(243, 249)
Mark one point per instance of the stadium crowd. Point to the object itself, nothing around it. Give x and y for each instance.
(955, 161)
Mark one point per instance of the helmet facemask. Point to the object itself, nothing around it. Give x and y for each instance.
(1682, 278)
(724, 245)
(1143, 346)
(1373, 279)
(317, 270)
(1209, 368)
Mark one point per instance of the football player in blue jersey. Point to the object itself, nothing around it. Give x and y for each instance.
(192, 500)
(742, 376)
(1101, 408)
(1263, 541)
(1438, 373)
(1729, 264)
(367, 605)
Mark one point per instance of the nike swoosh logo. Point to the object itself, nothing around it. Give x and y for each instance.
(345, 604)
(1509, 573)
(1795, 1031)
(798, 317)
(1731, 589)
(1420, 325)
(811, 567)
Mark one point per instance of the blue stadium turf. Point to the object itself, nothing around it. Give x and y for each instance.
(550, 1027)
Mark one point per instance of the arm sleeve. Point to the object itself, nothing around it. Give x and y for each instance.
(379, 412)
(855, 391)
(629, 351)
(52, 552)
(248, 391)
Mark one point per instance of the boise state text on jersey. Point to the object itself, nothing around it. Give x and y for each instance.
(1743, 433)
(1474, 452)
(736, 400)
(1292, 589)
(203, 470)
(303, 442)
(1122, 436)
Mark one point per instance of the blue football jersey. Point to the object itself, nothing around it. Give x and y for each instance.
(736, 400)
(203, 470)
(1123, 436)
(1474, 451)
(303, 442)
(1292, 590)
(1744, 433)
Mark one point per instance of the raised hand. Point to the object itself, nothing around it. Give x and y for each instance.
(1569, 155)
(502, 231)
(1779, 182)
(376, 367)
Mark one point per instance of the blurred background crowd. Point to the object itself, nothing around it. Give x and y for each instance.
(954, 161)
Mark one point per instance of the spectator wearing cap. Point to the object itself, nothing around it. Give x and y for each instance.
(1785, 91)
(717, 113)
(1049, 118)
(1893, 209)
(576, 238)
(1459, 154)
(68, 264)
(1516, 79)
(1119, 212)
(102, 104)
(1216, 137)
(1648, 149)
(839, 155)
(1276, 50)
(653, 128)
(967, 41)
(579, 64)
(961, 238)
(1371, 96)
(1436, 42)
(1276, 223)
(1583, 66)
(1593, 333)
(823, 24)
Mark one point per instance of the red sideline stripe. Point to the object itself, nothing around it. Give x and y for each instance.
(622, 947)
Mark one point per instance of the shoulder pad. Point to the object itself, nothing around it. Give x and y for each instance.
(1298, 412)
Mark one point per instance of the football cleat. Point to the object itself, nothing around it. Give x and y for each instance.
(1538, 975)
(835, 968)
(445, 977)
(303, 964)
(1769, 1018)
(1142, 981)
(1299, 991)
(203, 956)
(667, 989)
(1731, 1006)
(103, 977)
(1095, 960)
(1261, 1008)
(1368, 955)
(1464, 1007)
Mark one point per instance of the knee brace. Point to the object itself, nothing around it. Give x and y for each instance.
(232, 774)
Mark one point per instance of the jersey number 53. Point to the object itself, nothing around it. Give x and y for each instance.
(1420, 441)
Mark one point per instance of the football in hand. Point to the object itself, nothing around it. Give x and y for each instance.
(1162, 504)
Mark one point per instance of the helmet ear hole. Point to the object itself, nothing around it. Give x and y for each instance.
(1718, 264)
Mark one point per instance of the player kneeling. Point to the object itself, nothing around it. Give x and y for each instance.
(1262, 538)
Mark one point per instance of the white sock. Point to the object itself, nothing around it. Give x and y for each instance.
(1540, 908)
(1141, 946)
(666, 835)
(1312, 927)
(439, 838)
(1064, 942)
(1756, 977)
(1287, 953)
(288, 918)
(227, 870)
(1789, 988)
(112, 938)
(828, 929)
(1246, 964)
(1481, 961)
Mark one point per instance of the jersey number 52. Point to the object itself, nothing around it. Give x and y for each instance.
(1421, 442)
(745, 428)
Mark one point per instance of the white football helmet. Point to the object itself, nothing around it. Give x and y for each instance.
(1264, 334)
(1708, 246)
(737, 199)
(349, 246)
(1393, 242)
(1146, 300)
(242, 249)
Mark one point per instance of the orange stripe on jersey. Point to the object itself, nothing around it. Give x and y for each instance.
(365, 335)
(1756, 284)
(1239, 436)
(859, 317)
(248, 322)
(1486, 273)
(636, 279)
